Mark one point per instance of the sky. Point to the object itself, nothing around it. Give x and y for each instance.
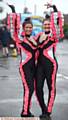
(62, 5)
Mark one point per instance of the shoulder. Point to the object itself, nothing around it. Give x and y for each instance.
(38, 35)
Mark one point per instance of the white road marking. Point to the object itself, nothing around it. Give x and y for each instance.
(62, 98)
(63, 76)
(10, 101)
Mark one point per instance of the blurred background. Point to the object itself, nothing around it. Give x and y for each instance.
(11, 92)
(35, 9)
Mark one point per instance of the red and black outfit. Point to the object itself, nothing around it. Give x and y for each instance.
(27, 70)
(46, 69)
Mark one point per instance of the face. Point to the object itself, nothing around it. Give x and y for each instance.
(28, 29)
(46, 25)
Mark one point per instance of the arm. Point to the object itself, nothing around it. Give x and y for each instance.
(53, 6)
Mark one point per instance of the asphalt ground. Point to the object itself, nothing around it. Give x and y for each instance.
(11, 88)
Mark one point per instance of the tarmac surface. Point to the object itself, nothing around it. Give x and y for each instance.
(11, 88)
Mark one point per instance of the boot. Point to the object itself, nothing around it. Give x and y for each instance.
(27, 115)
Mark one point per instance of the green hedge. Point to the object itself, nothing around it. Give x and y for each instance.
(65, 27)
(66, 30)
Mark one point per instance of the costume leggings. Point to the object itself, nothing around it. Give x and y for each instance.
(46, 69)
(27, 72)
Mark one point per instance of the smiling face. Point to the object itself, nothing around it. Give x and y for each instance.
(46, 25)
(28, 29)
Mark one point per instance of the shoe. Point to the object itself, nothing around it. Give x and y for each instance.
(27, 115)
(48, 117)
(45, 117)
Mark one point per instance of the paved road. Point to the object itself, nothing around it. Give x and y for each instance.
(11, 89)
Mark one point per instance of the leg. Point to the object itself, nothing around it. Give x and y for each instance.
(27, 73)
(4, 53)
(51, 83)
(40, 78)
(7, 52)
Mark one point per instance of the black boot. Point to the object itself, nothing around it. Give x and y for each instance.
(27, 115)
(45, 116)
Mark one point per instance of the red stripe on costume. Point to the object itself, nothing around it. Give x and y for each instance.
(26, 95)
(27, 53)
(50, 104)
(53, 27)
(46, 41)
(28, 42)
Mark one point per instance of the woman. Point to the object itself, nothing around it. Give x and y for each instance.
(27, 48)
(46, 68)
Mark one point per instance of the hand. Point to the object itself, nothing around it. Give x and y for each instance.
(48, 5)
